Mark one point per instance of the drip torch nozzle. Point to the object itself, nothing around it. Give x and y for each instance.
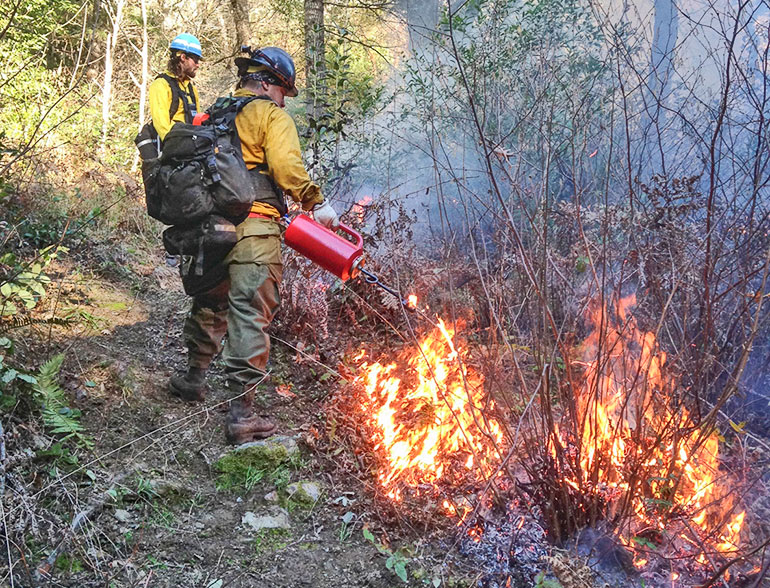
(410, 304)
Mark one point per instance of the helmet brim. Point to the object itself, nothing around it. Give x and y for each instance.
(243, 62)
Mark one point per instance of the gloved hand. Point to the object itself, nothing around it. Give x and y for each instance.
(326, 215)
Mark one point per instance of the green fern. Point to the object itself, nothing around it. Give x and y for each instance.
(58, 417)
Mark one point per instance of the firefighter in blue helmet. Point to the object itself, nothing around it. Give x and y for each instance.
(173, 96)
(245, 304)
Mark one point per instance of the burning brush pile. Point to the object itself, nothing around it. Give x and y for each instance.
(623, 454)
(431, 423)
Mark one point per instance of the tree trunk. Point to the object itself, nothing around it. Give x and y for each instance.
(665, 33)
(145, 75)
(240, 10)
(145, 66)
(112, 41)
(315, 62)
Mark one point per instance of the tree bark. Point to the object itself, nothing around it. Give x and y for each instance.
(315, 58)
(240, 10)
(145, 75)
(112, 42)
(665, 33)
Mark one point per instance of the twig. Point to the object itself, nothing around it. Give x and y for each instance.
(2, 461)
(92, 511)
(2, 506)
(762, 573)
(698, 540)
(728, 564)
(147, 581)
(310, 357)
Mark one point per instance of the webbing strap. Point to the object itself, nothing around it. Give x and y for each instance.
(188, 100)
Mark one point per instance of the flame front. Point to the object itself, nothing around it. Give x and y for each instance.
(429, 415)
(639, 446)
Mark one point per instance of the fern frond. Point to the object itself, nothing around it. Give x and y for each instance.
(58, 417)
(17, 322)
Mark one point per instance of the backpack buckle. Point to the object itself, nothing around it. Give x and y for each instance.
(211, 166)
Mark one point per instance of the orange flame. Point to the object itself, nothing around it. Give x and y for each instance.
(411, 301)
(359, 208)
(636, 441)
(426, 413)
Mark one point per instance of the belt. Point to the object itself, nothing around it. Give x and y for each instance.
(258, 215)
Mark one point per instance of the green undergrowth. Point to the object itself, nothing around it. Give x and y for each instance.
(243, 469)
(271, 540)
(299, 499)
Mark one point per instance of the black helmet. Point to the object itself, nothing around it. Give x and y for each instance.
(275, 60)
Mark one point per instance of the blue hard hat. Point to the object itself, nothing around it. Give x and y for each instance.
(187, 43)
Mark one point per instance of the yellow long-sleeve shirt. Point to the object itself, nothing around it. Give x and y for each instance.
(160, 97)
(269, 136)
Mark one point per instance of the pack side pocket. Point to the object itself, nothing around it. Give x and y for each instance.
(186, 198)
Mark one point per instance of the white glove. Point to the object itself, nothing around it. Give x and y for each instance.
(326, 215)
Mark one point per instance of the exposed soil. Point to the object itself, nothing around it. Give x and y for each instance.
(149, 486)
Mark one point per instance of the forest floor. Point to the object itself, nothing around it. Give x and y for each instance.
(148, 504)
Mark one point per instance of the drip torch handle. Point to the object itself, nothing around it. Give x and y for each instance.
(355, 234)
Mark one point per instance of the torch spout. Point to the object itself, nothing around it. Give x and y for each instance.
(372, 279)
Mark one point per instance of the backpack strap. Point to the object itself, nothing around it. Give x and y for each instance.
(223, 112)
(222, 115)
(177, 94)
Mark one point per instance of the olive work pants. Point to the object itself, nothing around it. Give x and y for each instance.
(242, 306)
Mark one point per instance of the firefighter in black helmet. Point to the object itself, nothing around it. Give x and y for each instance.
(245, 305)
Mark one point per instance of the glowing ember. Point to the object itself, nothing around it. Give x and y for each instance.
(359, 208)
(639, 446)
(429, 415)
(411, 302)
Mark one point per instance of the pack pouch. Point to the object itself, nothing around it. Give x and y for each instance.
(183, 197)
(215, 235)
(153, 197)
(203, 248)
(148, 142)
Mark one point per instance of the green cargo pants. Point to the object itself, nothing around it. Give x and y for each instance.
(242, 306)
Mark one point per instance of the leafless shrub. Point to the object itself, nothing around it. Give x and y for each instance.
(579, 181)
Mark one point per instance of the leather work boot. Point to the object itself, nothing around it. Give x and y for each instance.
(242, 424)
(191, 387)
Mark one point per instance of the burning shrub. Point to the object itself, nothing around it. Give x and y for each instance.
(627, 449)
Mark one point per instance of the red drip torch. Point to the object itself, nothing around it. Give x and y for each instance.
(334, 253)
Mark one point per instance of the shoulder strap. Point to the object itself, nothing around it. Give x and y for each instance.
(222, 116)
(227, 107)
(176, 95)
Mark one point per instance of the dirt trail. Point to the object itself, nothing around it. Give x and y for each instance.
(160, 512)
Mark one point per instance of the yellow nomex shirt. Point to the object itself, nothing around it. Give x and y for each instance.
(160, 97)
(268, 135)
